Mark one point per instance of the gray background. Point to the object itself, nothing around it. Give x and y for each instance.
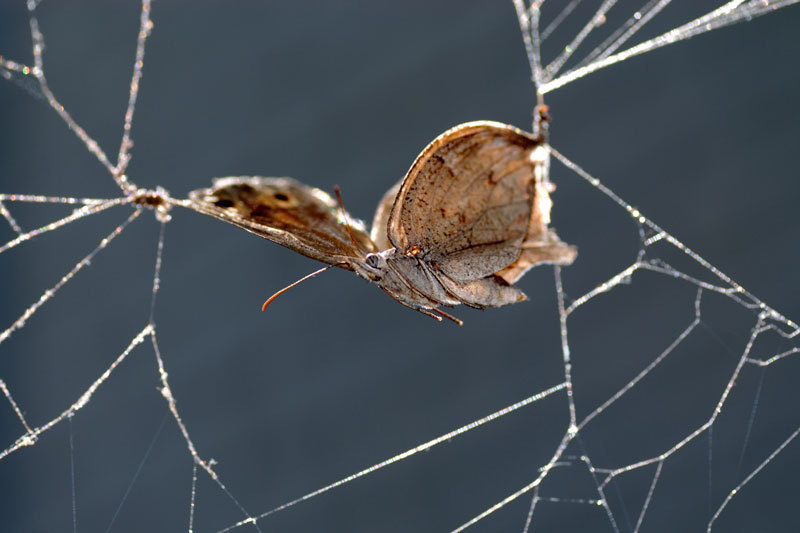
(701, 136)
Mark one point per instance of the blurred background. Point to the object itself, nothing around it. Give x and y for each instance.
(336, 376)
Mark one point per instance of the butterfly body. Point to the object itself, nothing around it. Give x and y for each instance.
(419, 283)
(467, 221)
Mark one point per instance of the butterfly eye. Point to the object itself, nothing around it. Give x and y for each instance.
(281, 197)
(373, 261)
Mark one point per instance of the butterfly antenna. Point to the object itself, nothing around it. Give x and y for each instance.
(298, 282)
(343, 211)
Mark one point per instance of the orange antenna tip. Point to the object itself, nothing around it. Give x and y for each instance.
(298, 282)
(269, 300)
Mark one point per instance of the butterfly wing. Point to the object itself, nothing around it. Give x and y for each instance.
(381, 219)
(541, 244)
(466, 202)
(285, 211)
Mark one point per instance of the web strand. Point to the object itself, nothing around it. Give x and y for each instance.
(166, 392)
(157, 272)
(7, 394)
(631, 26)
(597, 19)
(138, 472)
(750, 477)
(563, 14)
(30, 437)
(77, 214)
(38, 72)
(35, 198)
(11, 222)
(719, 18)
(408, 453)
(49, 293)
(193, 496)
(123, 159)
(735, 288)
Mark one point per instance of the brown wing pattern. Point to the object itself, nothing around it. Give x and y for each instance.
(465, 204)
(287, 212)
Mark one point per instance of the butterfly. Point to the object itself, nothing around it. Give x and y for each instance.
(466, 222)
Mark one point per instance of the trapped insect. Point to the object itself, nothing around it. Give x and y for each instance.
(466, 222)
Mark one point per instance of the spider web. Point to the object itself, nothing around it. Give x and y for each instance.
(649, 391)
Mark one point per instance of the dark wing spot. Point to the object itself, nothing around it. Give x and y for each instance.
(223, 203)
(280, 196)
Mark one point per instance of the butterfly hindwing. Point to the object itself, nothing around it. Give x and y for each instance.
(465, 204)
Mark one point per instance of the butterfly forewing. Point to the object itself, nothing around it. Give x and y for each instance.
(287, 212)
(465, 204)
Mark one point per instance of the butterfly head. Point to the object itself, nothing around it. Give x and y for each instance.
(373, 267)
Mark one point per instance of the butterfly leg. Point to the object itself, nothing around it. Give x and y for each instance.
(426, 312)
(451, 317)
(434, 315)
(429, 311)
